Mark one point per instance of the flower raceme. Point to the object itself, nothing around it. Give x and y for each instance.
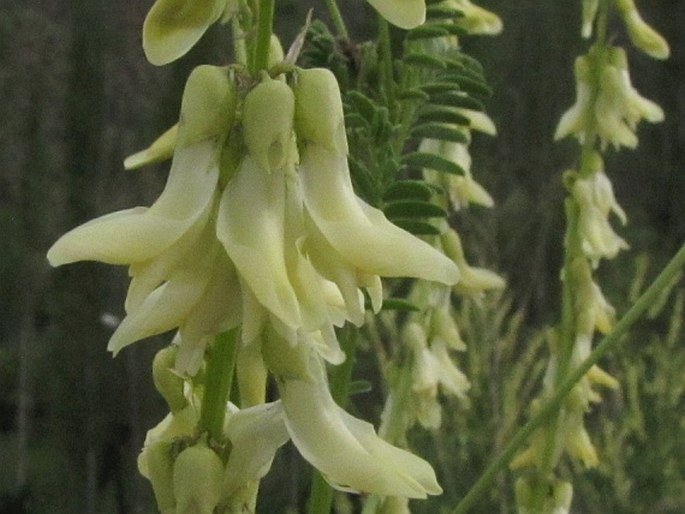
(258, 227)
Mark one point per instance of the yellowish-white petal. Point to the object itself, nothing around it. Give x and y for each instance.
(251, 227)
(361, 233)
(255, 434)
(139, 234)
(172, 27)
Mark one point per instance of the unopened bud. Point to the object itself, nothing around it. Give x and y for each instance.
(198, 474)
(167, 382)
(268, 123)
(319, 114)
(208, 105)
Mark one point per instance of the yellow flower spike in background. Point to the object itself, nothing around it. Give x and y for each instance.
(405, 14)
(172, 27)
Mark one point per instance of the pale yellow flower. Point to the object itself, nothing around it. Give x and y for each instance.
(346, 450)
(172, 27)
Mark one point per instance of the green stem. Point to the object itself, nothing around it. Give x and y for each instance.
(265, 19)
(386, 66)
(321, 495)
(394, 426)
(337, 19)
(607, 344)
(220, 365)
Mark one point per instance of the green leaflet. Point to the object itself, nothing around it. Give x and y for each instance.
(432, 161)
(413, 209)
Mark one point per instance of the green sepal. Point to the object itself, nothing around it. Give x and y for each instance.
(413, 94)
(359, 387)
(434, 88)
(399, 304)
(451, 29)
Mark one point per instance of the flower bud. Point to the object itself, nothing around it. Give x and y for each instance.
(589, 13)
(268, 123)
(642, 35)
(167, 382)
(208, 105)
(159, 468)
(198, 476)
(319, 114)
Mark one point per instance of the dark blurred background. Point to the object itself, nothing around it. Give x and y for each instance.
(77, 97)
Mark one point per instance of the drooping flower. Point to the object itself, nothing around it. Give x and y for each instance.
(361, 234)
(347, 450)
(180, 278)
(596, 202)
(172, 27)
(606, 101)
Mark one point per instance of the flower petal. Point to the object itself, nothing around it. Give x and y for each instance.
(346, 450)
(255, 434)
(251, 228)
(139, 234)
(172, 27)
(359, 232)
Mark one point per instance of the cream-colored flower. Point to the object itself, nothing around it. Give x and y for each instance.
(473, 281)
(462, 190)
(179, 276)
(360, 233)
(576, 119)
(595, 198)
(641, 34)
(590, 8)
(172, 27)
(347, 450)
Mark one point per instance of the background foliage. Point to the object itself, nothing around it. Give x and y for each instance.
(78, 96)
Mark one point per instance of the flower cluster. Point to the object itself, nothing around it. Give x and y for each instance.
(606, 101)
(259, 228)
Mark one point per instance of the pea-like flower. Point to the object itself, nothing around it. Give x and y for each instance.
(596, 201)
(172, 27)
(606, 101)
(641, 34)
